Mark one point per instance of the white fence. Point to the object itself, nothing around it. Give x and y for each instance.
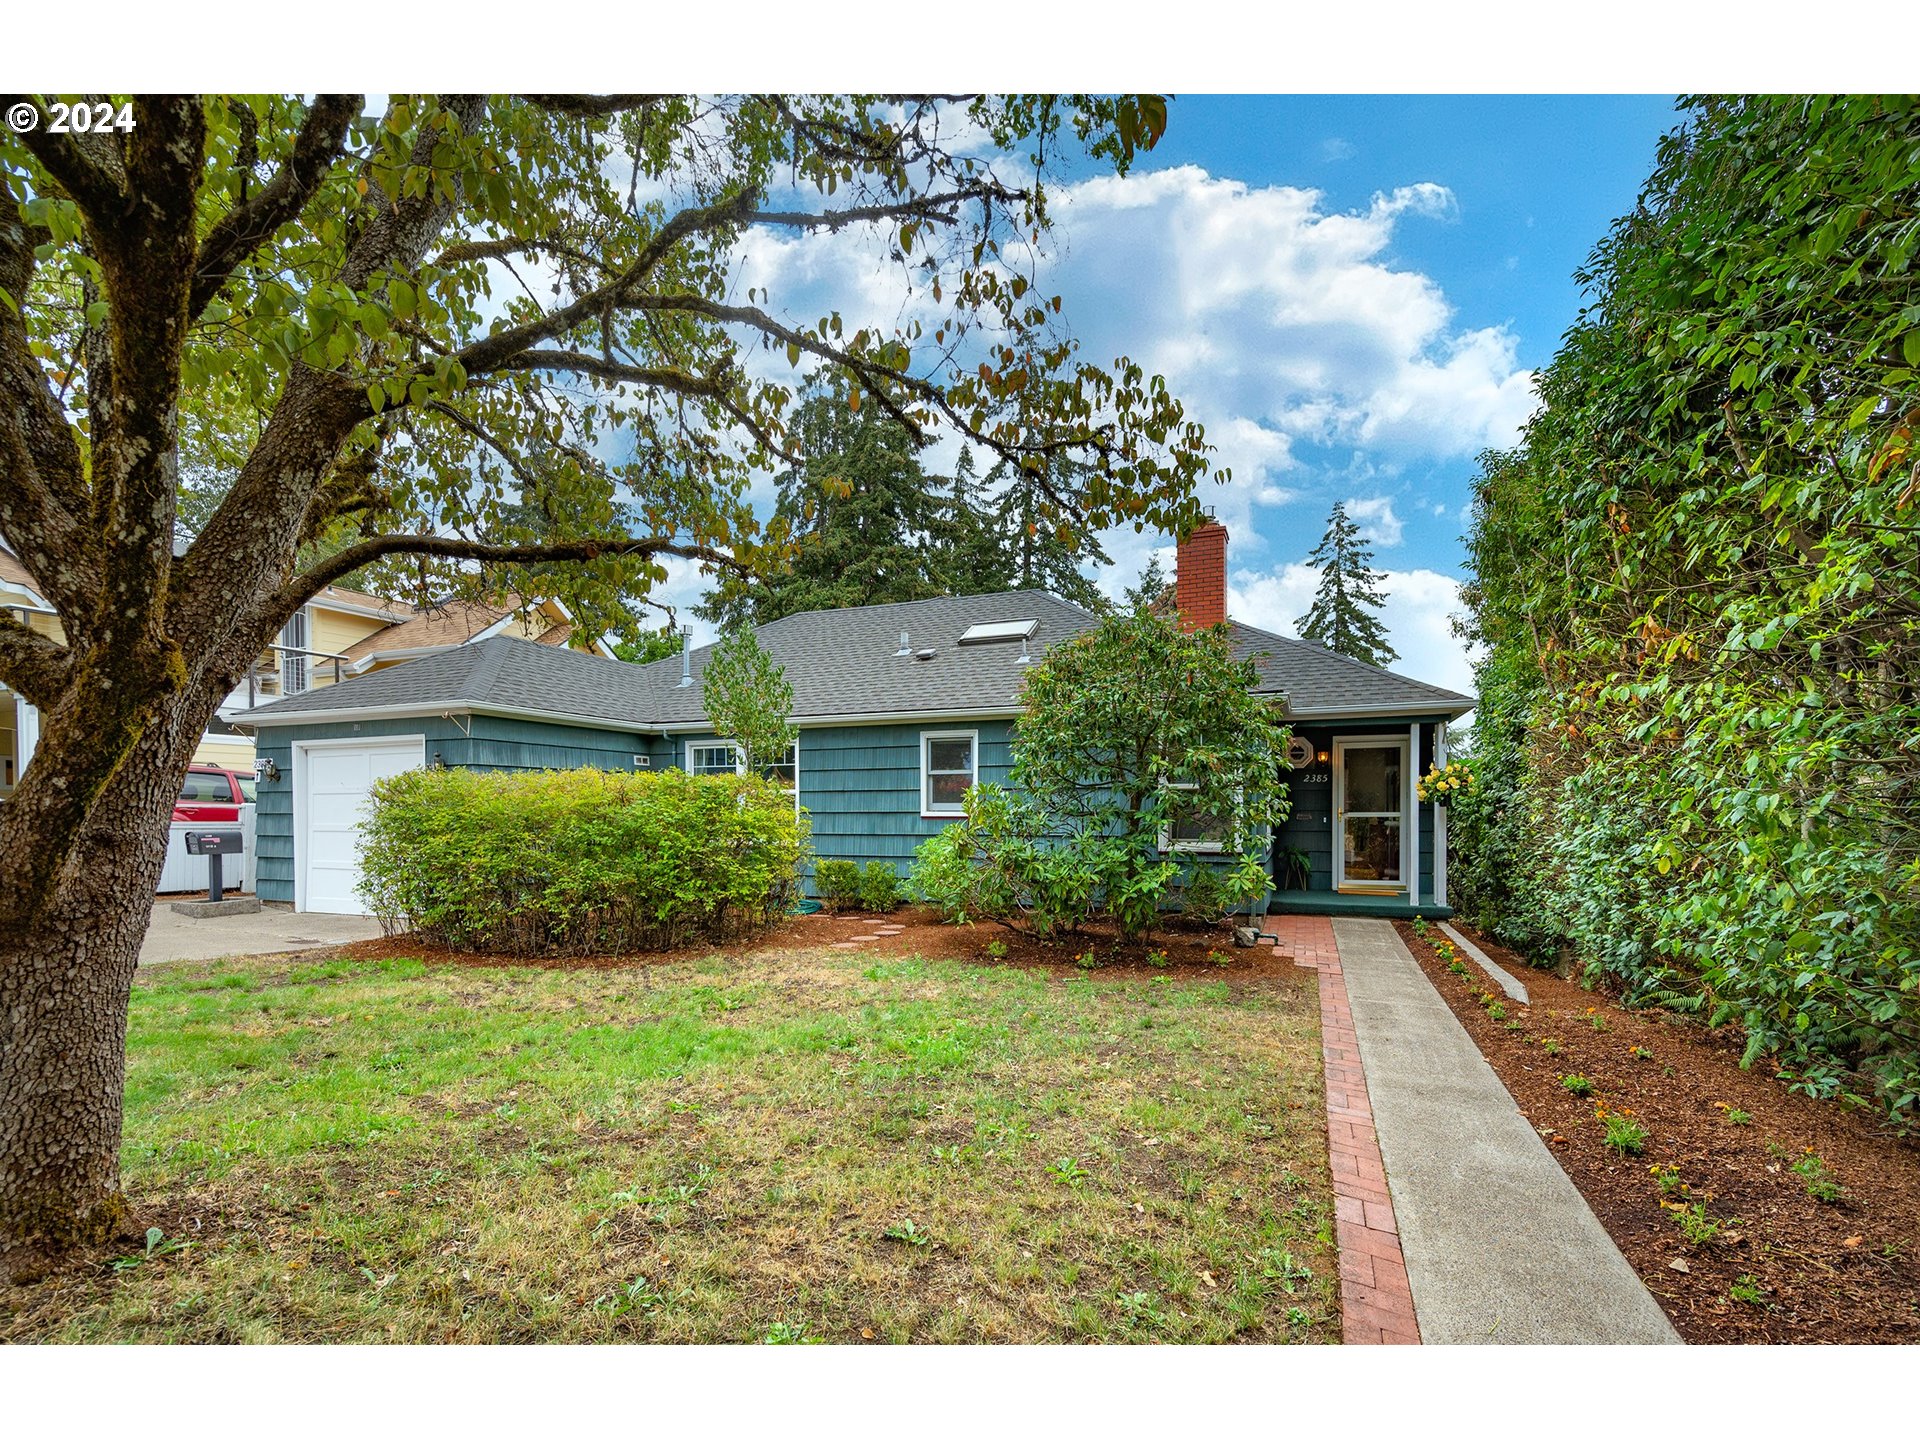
(189, 872)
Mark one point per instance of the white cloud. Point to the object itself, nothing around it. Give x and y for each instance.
(1319, 363)
(1334, 149)
(1376, 520)
(1284, 324)
(1417, 614)
(1279, 322)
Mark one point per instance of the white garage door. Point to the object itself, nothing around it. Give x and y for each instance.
(337, 781)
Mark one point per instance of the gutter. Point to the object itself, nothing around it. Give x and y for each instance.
(1377, 712)
(346, 716)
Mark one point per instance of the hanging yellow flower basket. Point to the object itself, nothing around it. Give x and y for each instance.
(1444, 782)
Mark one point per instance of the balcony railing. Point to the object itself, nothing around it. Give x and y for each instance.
(286, 670)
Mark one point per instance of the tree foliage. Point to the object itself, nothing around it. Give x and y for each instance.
(1342, 617)
(647, 646)
(1129, 734)
(868, 525)
(460, 338)
(748, 700)
(1698, 587)
(862, 514)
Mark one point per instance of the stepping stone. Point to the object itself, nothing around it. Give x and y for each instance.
(891, 929)
(862, 939)
(845, 945)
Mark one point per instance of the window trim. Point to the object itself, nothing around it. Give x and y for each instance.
(1171, 846)
(739, 755)
(927, 737)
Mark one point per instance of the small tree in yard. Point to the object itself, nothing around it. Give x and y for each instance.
(749, 701)
(1136, 736)
(402, 344)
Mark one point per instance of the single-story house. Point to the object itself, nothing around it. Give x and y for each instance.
(899, 708)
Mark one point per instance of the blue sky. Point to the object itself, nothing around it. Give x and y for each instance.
(1535, 180)
(1351, 293)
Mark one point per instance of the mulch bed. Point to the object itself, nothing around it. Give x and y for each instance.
(1839, 1272)
(1188, 949)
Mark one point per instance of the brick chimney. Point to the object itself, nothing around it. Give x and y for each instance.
(1200, 577)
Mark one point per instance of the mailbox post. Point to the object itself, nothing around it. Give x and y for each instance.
(214, 844)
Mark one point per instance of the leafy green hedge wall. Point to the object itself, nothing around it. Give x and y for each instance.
(579, 861)
(1698, 588)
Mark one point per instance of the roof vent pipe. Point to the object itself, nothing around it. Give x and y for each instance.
(905, 647)
(1025, 658)
(686, 659)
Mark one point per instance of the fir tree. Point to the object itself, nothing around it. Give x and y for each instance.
(972, 556)
(1044, 547)
(1341, 618)
(862, 512)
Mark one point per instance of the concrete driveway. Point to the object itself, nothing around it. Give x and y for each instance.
(272, 930)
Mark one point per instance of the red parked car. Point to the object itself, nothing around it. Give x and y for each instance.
(211, 794)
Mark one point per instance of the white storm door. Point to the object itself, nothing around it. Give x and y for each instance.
(1369, 799)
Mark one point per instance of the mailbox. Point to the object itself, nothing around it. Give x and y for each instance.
(215, 842)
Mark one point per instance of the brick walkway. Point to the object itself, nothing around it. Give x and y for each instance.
(1376, 1301)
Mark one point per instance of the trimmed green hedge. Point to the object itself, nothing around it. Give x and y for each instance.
(577, 862)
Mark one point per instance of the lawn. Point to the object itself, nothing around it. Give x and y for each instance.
(809, 1144)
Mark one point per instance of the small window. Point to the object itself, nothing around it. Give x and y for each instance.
(949, 766)
(1201, 832)
(713, 757)
(786, 773)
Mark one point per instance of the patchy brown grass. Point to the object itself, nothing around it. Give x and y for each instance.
(716, 1149)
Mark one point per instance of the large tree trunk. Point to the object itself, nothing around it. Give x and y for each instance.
(65, 977)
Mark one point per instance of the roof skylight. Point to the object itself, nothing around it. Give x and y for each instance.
(990, 632)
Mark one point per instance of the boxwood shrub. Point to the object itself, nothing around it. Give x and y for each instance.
(578, 862)
(838, 882)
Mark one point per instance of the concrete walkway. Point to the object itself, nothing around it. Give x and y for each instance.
(1500, 1247)
(274, 929)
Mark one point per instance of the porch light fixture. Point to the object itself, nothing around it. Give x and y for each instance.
(266, 770)
(1324, 757)
(438, 762)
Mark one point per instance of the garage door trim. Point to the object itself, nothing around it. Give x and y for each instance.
(302, 750)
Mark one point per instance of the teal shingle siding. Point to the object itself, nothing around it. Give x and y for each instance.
(499, 743)
(273, 814)
(861, 784)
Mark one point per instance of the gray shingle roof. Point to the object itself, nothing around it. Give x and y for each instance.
(841, 663)
(1317, 680)
(503, 673)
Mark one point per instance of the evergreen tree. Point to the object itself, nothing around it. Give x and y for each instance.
(1153, 590)
(972, 555)
(749, 700)
(1341, 617)
(863, 514)
(1045, 548)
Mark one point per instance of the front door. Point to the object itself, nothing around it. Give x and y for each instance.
(1369, 798)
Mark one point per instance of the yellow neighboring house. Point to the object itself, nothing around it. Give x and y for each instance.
(338, 634)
